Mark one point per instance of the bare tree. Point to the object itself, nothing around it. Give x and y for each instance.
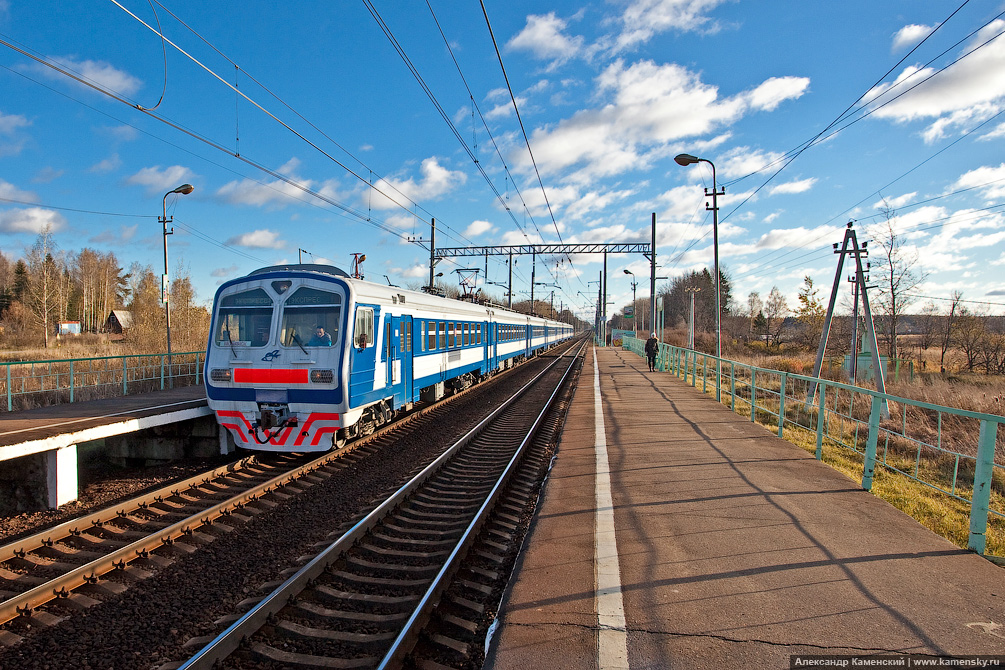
(754, 307)
(950, 326)
(43, 297)
(898, 273)
(775, 311)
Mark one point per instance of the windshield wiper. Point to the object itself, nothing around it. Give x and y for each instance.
(232, 350)
(299, 343)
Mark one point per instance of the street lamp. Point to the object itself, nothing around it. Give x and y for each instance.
(184, 189)
(688, 159)
(634, 306)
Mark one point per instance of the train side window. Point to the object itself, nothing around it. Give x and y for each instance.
(451, 340)
(408, 336)
(432, 335)
(387, 338)
(363, 335)
(443, 335)
(478, 333)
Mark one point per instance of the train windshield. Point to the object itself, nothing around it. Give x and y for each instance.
(311, 318)
(244, 319)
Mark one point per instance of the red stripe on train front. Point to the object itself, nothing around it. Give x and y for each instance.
(270, 376)
(319, 416)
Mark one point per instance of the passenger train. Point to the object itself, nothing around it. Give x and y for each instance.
(304, 357)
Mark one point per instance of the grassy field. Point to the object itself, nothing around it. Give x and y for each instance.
(936, 510)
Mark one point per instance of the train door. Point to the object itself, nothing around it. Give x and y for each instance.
(528, 333)
(404, 356)
(363, 360)
(490, 364)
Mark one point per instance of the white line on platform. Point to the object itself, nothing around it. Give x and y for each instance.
(103, 416)
(612, 650)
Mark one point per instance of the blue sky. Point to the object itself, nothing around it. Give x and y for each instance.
(342, 151)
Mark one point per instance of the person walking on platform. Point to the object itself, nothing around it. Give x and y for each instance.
(652, 347)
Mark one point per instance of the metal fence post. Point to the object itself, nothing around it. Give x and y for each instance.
(781, 405)
(732, 386)
(125, 377)
(704, 372)
(197, 367)
(821, 411)
(869, 464)
(981, 498)
(71, 381)
(753, 394)
(162, 372)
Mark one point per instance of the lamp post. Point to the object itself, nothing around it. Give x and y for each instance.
(635, 311)
(184, 189)
(688, 159)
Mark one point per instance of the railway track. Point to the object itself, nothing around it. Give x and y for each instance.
(364, 600)
(48, 576)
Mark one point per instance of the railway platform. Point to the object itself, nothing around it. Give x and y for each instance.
(39, 447)
(676, 534)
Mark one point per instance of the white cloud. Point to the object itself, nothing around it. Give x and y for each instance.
(972, 89)
(156, 179)
(276, 193)
(775, 91)
(10, 123)
(46, 175)
(990, 179)
(413, 272)
(648, 106)
(30, 220)
(125, 234)
(910, 35)
(258, 239)
(100, 73)
(11, 192)
(895, 203)
(436, 181)
(477, 228)
(544, 37)
(109, 164)
(642, 19)
(224, 272)
(996, 133)
(800, 186)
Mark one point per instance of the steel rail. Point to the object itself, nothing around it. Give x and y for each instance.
(403, 644)
(231, 639)
(25, 603)
(49, 536)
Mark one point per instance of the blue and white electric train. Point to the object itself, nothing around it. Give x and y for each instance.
(302, 357)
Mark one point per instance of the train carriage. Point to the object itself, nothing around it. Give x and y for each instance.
(302, 357)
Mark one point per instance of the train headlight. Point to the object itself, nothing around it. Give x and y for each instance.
(322, 376)
(220, 374)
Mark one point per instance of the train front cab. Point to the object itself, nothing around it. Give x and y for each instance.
(270, 386)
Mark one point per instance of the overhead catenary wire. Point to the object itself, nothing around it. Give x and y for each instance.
(372, 173)
(265, 111)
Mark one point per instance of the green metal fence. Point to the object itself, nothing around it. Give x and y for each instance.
(955, 451)
(28, 384)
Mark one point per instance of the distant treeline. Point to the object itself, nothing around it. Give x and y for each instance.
(48, 285)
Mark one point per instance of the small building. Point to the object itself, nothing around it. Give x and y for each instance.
(118, 322)
(69, 328)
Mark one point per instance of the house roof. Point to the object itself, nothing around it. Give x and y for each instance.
(124, 317)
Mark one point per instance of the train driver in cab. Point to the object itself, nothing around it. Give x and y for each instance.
(320, 338)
